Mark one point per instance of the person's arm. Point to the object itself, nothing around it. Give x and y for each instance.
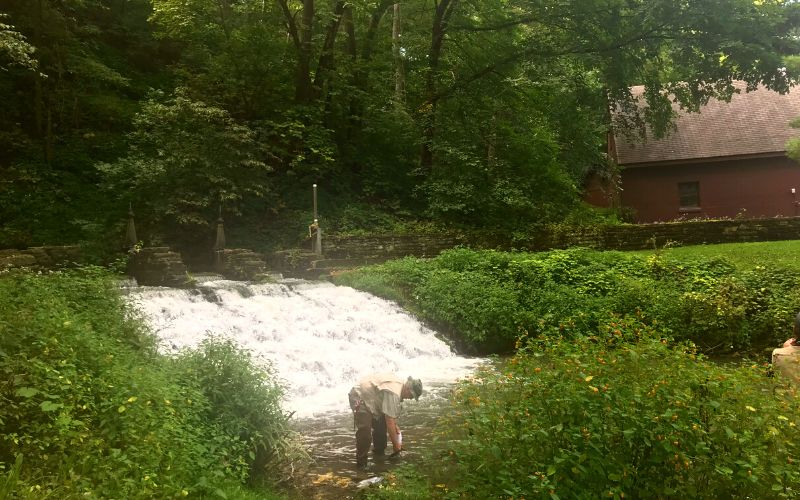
(394, 433)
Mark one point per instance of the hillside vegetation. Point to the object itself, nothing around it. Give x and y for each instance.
(88, 408)
(607, 393)
(488, 114)
(487, 300)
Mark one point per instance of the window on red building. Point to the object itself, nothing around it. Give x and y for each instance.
(689, 195)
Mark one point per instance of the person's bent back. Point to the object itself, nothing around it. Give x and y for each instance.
(786, 361)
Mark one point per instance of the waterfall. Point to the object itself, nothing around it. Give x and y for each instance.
(319, 337)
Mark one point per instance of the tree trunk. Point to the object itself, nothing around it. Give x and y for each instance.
(399, 70)
(301, 37)
(360, 77)
(326, 57)
(303, 90)
(350, 30)
(48, 143)
(225, 14)
(491, 142)
(441, 19)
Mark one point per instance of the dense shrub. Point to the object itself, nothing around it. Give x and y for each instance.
(244, 400)
(599, 400)
(641, 419)
(489, 298)
(623, 414)
(477, 304)
(90, 409)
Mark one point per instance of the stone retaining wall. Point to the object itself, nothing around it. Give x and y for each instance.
(390, 246)
(616, 237)
(161, 266)
(49, 257)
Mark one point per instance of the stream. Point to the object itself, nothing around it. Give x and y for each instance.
(320, 338)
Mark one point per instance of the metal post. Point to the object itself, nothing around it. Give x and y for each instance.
(315, 202)
(219, 243)
(317, 242)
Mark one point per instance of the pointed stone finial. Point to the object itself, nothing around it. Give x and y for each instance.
(219, 244)
(130, 234)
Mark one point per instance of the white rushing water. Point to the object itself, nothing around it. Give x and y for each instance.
(319, 337)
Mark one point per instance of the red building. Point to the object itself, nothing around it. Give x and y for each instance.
(728, 160)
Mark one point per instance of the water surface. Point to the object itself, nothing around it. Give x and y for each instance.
(320, 339)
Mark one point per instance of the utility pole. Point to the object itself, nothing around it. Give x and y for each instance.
(219, 243)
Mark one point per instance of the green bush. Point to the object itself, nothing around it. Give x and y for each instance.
(488, 298)
(641, 419)
(244, 400)
(623, 414)
(483, 309)
(91, 409)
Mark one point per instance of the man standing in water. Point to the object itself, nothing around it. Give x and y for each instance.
(375, 402)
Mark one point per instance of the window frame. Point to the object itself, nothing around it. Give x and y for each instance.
(693, 196)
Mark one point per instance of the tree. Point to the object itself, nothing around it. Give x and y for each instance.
(185, 159)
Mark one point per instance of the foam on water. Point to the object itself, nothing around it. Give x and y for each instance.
(319, 337)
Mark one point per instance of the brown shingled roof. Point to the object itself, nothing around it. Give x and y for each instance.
(753, 123)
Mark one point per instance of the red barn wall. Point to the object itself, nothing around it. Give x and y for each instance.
(755, 187)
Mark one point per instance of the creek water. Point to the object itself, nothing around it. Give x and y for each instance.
(319, 338)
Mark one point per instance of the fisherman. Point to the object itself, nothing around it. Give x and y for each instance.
(786, 359)
(375, 402)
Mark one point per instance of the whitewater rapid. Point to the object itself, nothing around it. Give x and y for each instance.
(320, 338)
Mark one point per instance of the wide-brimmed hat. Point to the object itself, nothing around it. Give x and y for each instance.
(415, 385)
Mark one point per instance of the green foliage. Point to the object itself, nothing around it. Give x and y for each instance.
(186, 158)
(93, 62)
(502, 296)
(473, 114)
(793, 144)
(244, 400)
(93, 410)
(14, 48)
(605, 417)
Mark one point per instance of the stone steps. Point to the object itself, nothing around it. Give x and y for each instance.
(240, 264)
(158, 266)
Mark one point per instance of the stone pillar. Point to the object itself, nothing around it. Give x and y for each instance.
(130, 234)
(219, 244)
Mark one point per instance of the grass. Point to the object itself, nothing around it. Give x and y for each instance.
(745, 256)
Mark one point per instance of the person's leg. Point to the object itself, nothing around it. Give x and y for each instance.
(379, 436)
(363, 436)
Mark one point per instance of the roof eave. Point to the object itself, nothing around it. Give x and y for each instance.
(710, 159)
